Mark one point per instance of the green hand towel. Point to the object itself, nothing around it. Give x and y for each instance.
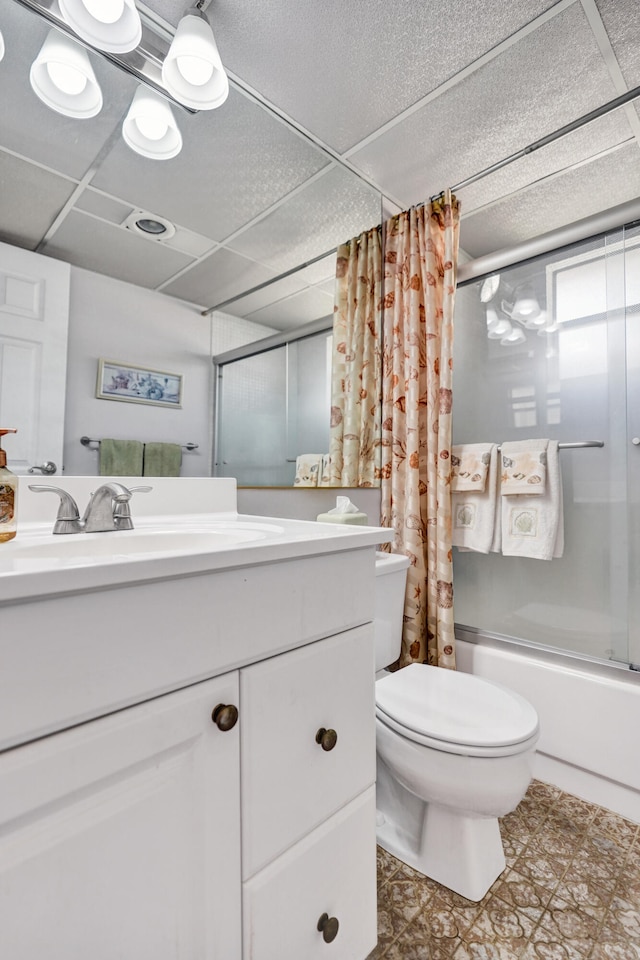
(121, 458)
(162, 460)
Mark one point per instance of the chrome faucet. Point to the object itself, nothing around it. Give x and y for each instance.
(108, 508)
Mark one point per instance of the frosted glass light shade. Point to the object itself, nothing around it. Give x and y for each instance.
(150, 127)
(526, 306)
(192, 71)
(516, 335)
(498, 328)
(1, 46)
(63, 78)
(110, 25)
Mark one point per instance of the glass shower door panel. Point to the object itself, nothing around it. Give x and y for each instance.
(252, 421)
(632, 439)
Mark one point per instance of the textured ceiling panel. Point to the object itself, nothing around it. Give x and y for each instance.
(534, 87)
(577, 146)
(221, 276)
(295, 311)
(587, 190)
(30, 200)
(30, 128)
(342, 69)
(276, 291)
(332, 209)
(86, 242)
(236, 161)
(105, 207)
(621, 20)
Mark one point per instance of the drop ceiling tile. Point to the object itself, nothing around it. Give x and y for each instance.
(278, 290)
(30, 200)
(343, 69)
(324, 269)
(621, 20)
(593, 138)
(236, 161)
(86, 242)
(107, 208)
(33, 130)
(295, 311)
(581, 192)
(334, 208)
(219, 277)
(476, 123)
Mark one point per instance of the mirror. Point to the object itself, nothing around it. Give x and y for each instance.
(248, 203)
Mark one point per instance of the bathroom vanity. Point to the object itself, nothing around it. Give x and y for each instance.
(187, 735)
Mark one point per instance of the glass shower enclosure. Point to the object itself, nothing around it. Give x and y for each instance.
(551, 348)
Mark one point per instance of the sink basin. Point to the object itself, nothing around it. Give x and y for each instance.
(48, 552)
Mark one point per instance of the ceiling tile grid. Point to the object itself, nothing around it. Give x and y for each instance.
(475, 123)
(296, 310)
(217, 278)
(30, 200)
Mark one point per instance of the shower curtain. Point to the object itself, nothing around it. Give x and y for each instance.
(356, 363)
(420, 261)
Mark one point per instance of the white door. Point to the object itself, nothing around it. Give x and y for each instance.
(34, 317)
(120, 838)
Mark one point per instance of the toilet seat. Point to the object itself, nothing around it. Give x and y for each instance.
(456, 712)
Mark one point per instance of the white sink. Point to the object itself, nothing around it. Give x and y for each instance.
(48, 552)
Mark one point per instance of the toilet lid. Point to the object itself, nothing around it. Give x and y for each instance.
(455, 708)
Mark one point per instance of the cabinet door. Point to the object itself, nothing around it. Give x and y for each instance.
(120, 838)
(290, 784)
(331, 874)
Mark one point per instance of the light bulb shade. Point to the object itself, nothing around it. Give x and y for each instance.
(1, 46)
(493, 319)
(110, 25)
(150, 128)
(516, 335)
(489, 288)
(525, 306)
(63, 78)
(192, 71)
(500, 330)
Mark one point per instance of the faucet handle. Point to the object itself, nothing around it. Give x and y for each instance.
(68, 516)
(122, 510)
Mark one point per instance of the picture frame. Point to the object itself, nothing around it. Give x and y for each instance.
(135, 384)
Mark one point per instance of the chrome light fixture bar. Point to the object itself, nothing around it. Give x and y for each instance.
(144, 63)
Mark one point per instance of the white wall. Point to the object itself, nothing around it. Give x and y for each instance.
(119, 321)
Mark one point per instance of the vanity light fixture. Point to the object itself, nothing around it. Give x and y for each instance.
(192, 70)
(516, 335)
(63, 78)
(110, 25)
(150, 128)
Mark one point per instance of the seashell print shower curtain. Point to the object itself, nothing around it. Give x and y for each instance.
(420, 263)
(354, 445)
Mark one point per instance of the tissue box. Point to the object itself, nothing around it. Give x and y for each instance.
(360, 518)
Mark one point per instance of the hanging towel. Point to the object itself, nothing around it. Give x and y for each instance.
(308, 466)
(533, 526)
(473, 511)
(162, 460)
(524, 467)
(470, 465)
(120, 458)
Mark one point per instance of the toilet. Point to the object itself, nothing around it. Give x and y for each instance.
(454, 753)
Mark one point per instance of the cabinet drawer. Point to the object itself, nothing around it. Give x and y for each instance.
(333, 872)
(290, 784)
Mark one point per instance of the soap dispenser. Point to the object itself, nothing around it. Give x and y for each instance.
(8, 497)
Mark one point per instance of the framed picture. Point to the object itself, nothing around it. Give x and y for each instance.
(121, 381)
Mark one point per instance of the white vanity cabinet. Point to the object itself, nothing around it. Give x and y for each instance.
(131, 825)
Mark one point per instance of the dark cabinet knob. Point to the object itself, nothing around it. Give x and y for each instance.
(326, 738)
(225, 716)
(328, 927)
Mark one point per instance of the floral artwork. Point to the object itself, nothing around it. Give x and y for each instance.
(119, 381)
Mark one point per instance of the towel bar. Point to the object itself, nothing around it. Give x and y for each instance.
(576, 444)
(85, 441)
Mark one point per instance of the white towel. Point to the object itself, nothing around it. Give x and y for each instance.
(470, 465)
(324, 478)
(473, 511)
(308, 466)
(524, 467)
(533, 526)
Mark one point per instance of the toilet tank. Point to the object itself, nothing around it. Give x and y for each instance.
(391, 579)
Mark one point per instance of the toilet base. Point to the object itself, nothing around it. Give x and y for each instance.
(462, 853)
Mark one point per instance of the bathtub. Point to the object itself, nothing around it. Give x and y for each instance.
(589, 716)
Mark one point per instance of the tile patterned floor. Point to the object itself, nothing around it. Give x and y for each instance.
(571, 891)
